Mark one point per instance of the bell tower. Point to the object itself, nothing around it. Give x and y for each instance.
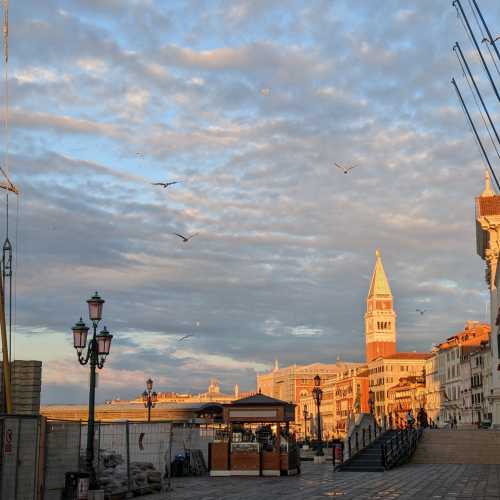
(380, 318)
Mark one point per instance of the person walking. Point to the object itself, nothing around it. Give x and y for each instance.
(409, 419)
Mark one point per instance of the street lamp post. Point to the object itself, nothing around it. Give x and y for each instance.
(149, 397)
(97, 351)
(318, 396)
(306, 415)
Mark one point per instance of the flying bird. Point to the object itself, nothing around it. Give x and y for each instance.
(184, 238)
(140, 155)
(265, 91)
(491, 41)
(184, 338)
(344, 169)
(165, 185)
(421, 311)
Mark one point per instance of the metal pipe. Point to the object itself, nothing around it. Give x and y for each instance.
(492, 40)
(471, 33)
(454, 83)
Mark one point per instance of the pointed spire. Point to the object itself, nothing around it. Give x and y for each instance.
(276, 365)
(487, 189)
(379, 285)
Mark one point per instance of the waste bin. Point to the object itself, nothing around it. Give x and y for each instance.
(76, 486)
(178, 467)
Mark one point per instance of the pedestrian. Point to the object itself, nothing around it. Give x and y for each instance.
(409, 419)
(455, 422)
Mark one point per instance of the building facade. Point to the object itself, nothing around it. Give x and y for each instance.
(488, 248)
(295, 383)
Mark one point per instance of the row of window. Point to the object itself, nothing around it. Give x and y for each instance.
(476, 380)
(383, 325)
(477, 398)
(390, 368)
(453, 371)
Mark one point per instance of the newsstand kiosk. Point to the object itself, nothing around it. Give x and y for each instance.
(256, 440)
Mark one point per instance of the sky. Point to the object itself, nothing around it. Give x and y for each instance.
(250, 103)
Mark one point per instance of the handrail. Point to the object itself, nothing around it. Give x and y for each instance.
(400, 447)
(354, 442)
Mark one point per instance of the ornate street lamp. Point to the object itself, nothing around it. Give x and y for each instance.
(97, 350)
(318, 396)
(149, 397)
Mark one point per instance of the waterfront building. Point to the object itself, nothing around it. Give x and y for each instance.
(344, 396)
(294, 384)
(452, 360)
(488, 248)
(407, 395)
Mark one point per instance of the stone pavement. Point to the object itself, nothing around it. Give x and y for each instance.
(411, 481)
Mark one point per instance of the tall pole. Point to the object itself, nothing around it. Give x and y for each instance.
(471, 76)
(318, 421)
(149, 408)
(305, 426)
(473, 38)
(492, 40)
(5, 353)
(91, 416)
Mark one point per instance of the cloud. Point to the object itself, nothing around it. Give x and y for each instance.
(282, 264)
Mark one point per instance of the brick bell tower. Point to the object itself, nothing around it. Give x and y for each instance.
(380, 318)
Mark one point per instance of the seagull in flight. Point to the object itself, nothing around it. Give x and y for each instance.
(185, 239)
(344, 169)
(140, 155)
(184, 338)
(421, 311)
(490, 41)
(265, 91)
(165, 185)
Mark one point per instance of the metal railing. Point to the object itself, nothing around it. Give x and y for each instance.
(361, 434)
(399, 448)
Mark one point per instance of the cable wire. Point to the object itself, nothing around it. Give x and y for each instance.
(484, 36)
(478, 107)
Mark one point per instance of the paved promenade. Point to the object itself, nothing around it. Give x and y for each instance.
(413, 481)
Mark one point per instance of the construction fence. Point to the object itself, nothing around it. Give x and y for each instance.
(130, 457)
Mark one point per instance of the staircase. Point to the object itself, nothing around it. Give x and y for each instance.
(368, 459)
(440, 446)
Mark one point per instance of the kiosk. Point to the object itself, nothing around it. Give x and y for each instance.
(256, 440)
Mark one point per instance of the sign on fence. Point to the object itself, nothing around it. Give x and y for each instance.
(8, 441)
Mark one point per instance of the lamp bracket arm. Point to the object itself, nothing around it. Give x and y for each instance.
(84, 359)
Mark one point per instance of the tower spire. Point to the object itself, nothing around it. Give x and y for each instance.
(487, 185)
(379, 285)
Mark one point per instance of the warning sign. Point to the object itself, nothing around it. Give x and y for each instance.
(8, 441)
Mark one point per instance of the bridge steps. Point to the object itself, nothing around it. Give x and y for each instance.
(440, 446)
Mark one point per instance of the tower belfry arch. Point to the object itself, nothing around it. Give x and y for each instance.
(380, 317)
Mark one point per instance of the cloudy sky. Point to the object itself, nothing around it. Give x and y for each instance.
(286, 244)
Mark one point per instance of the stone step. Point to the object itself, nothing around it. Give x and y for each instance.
(459, 447)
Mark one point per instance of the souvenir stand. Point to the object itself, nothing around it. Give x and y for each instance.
(257, 439)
